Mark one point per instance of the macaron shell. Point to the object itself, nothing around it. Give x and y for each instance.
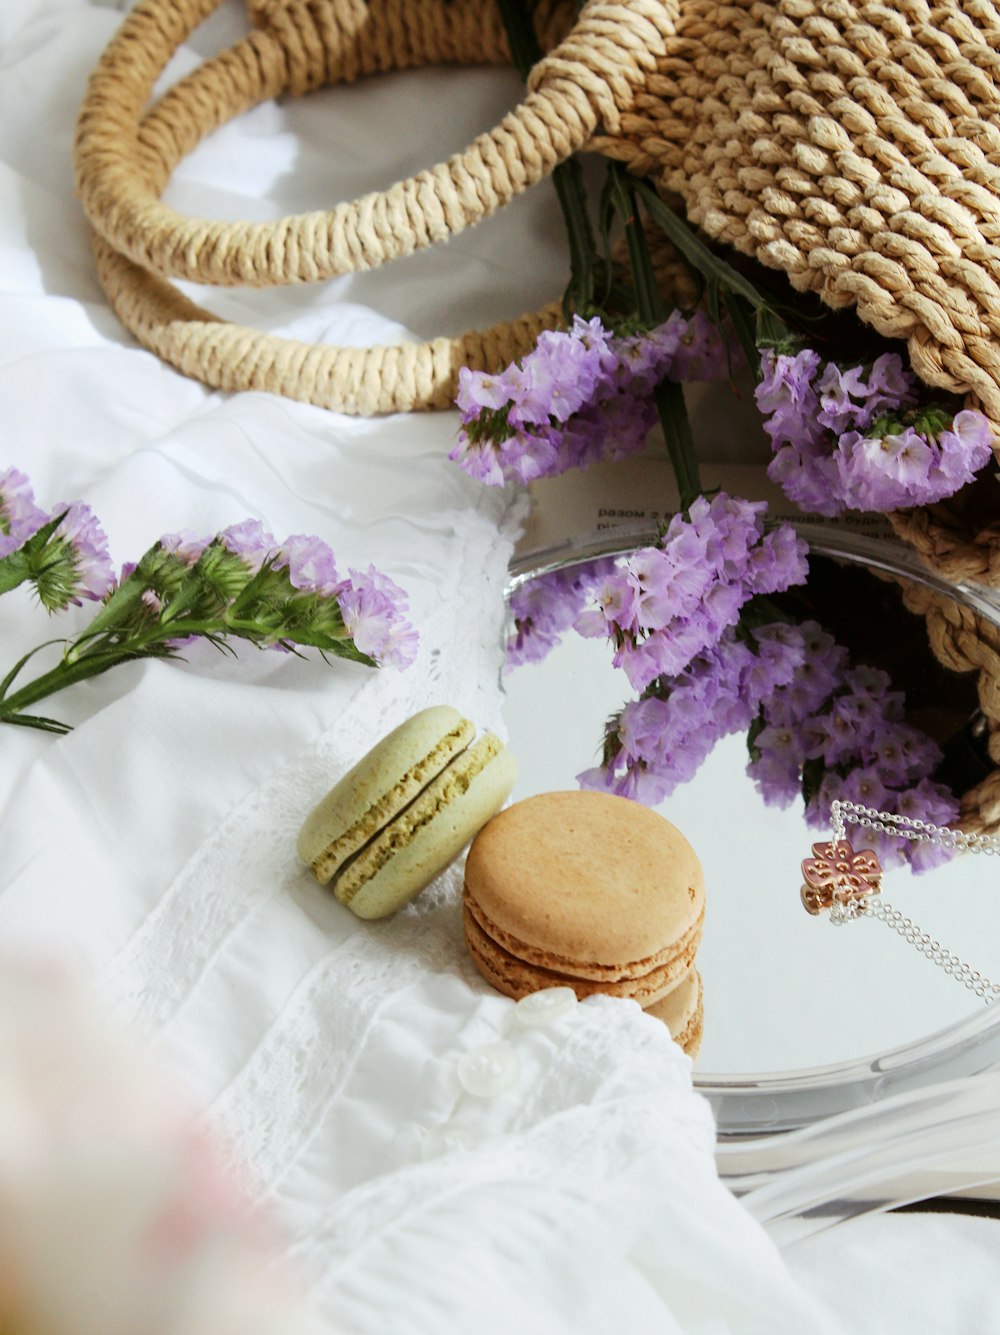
(516, 978)
(586, 876)
(430, 834)
(682, 1011)
(380, 785)
(529, 954)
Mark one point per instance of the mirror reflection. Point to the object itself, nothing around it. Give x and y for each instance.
(826, 691)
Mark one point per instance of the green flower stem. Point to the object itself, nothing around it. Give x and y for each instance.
(669, 396)
(567, 177)
(98, 658)
(62, 675)
(89, 657)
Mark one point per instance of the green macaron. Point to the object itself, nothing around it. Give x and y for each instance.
(406, 810)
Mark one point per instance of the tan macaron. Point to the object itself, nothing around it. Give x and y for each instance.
(682, 1011)
(585, 890)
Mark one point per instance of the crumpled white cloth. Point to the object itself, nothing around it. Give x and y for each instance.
(154, 844)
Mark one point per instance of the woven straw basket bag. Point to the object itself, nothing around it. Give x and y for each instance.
(126, 152)
(854, 147)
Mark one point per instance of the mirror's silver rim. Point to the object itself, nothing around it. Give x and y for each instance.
(778, 1101)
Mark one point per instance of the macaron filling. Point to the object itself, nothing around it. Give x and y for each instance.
(337, 854)
(445, 787)
(576, 968)
(516, 978)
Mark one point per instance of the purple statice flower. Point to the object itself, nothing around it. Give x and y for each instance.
(560, 374)
(669, 603)
(185, 546)
(807, 473)
(851, 398)
(776, 768)
(890, 386)
(702, 353)
(20, 517)
(643, 360)
(310, 563)
(660, 740)
(74, 564)
(250, 541)
(787, 397)
(856, 438)
(838, 731)
(581, 395)
(544, 608)
(373, 608)
(80, 530)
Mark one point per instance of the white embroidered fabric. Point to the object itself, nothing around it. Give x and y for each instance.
(154, 845)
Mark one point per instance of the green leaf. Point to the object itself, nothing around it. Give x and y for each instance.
(329, 645)
(17, 566)
(14, 570)
(36, 721)
(690, 245)
(648, 299)
(9, 679)
(112, 613)
(741, 318)
(670, 405)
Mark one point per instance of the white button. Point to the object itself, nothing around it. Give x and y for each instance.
(446, 1140)
(545, 1007)
(490, 1070)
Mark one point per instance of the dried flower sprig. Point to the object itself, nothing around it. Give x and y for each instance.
(580, 395)
(818, 728)
(838, 730)
(668, 603)
(545, 607)
(240, 585)
(864, 437)
(63, 555)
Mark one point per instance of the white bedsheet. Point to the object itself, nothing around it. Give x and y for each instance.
(154, 844)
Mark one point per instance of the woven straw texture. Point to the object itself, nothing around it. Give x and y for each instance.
(125, 154)
(963, 641)
(856, 147)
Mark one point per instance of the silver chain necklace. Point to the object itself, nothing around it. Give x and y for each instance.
(849, 882)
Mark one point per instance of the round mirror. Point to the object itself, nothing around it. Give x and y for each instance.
(803, 1018)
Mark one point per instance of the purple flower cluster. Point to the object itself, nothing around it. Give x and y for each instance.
(839, 731)
(859, 439)
(580, 395)
(20, 517)
(545, 607)
(660, 740)
(817, 728)
(372, 606)
(67, 563)
(667, 604)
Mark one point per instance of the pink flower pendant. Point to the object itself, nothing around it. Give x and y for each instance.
(836, 872)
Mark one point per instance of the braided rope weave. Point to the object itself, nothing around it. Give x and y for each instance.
(856, 147)
(963, 641)
(124, 158)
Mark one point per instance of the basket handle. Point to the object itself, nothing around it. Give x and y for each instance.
(123, 161)
(362, 381)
